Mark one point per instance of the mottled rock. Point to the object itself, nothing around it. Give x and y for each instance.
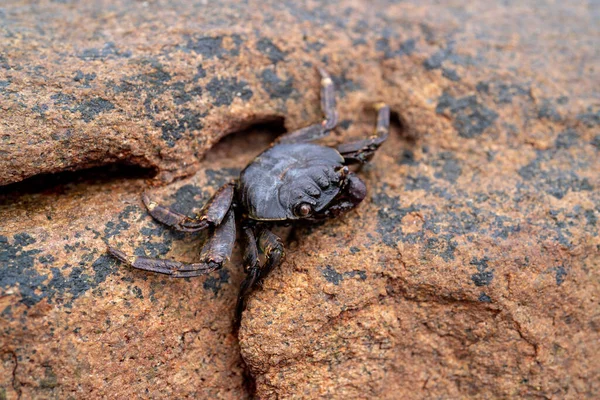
(75, 324)
(471, 270)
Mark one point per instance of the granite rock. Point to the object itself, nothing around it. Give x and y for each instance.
(470, 271)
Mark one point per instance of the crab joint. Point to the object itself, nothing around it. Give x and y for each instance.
(343, 172)
(379, 106)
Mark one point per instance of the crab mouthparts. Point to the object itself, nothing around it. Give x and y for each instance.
(335, 194)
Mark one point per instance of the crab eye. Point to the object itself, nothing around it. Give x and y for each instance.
(303, 210)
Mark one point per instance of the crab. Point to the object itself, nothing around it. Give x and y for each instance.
(293, 180)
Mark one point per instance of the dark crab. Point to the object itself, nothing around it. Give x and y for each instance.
(290, 181)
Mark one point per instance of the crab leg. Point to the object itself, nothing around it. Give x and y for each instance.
(215, 252)
(328, 101)
(211, 214)
(250, 249)
(362, 151)
(271, 246)
(317, 131)
(251, 267)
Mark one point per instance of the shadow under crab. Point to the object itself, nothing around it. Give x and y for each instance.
(292, 180)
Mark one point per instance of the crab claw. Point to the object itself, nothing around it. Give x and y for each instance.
(356, 189)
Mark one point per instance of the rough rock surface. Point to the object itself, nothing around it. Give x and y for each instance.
(76, 324)
(471, 271)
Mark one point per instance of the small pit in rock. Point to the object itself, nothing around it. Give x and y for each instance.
(245, 143)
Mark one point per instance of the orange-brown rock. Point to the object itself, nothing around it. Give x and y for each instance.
(470, 271)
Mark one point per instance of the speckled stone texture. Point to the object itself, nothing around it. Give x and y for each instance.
(472, 269)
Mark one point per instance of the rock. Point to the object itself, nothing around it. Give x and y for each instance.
(75, 324)
(470, 271)
(479, 286)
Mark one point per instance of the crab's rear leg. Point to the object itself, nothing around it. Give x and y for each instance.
(211, 214)
(271, 246)
(362, 151)
(317, 131)
(215, 252)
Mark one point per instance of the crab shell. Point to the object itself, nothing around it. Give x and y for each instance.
(288, 175)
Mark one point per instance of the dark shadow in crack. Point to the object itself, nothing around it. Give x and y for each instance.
(60, 182)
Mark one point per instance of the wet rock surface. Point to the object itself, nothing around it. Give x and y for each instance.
(471, 270)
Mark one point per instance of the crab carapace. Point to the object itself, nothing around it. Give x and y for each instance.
(292, 180)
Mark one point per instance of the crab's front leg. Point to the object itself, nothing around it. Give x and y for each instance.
(215, 252)
(271, 246)
(211, 214)
(362, 151)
